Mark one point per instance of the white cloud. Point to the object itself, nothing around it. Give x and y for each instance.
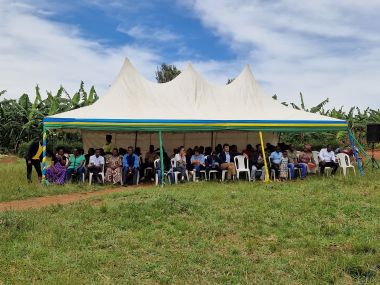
(34, 51)
(151, 34)
(323, 48)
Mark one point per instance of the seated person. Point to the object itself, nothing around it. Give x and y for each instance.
(327, 157)
(95, 165)
(293, 163)
(180, 163)
(275, 159)
(249, 151)
(56, 173)
(189, 154)
(75, 167)
(306, 157)
(167, 167)
(108, 146)
(257, 163)
(212, 163)
(150, 157)
(198, 162)
(90, 152)
(130, 167)
(227, 162)
(113, 170)
(284, 170)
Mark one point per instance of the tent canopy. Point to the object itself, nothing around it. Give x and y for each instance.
(189, 103)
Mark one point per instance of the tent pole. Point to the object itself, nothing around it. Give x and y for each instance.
(44, 155)
(212, 140)
(351, 137)
(267, 179)
(161, 159)
(135, 139)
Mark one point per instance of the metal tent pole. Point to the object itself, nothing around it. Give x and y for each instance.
(267, 178)
(351, 137)
(161, 160)
(44, 155)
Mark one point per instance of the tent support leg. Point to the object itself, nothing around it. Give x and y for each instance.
(44, 181)
(161, 159)
(351, 137)
(267, 179)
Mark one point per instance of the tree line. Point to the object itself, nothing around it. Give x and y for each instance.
(21, 119)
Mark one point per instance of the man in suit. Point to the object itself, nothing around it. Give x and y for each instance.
(33, 158)
(227, 161)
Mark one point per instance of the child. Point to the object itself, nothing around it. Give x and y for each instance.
(284, 166)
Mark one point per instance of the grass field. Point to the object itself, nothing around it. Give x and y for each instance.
(317, 231)
(13, 184)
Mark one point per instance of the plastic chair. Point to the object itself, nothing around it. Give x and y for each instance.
(241, 165)
(176, 173)
(100, 173)
(156, 164)
(345, 163)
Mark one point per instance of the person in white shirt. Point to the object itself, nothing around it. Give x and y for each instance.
(180, 163)
(327, 157)
(95, 164)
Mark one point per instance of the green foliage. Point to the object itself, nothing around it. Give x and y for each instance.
(21, 120)
(317, 231)
(357, 121)
(166, 73)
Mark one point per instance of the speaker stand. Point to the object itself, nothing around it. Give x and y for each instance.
(372, 160)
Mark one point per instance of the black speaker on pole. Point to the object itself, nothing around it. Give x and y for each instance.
(373, 133)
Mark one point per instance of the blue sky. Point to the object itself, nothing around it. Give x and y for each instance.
(322, 48)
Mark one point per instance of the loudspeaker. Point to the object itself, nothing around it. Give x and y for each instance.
(373, 133)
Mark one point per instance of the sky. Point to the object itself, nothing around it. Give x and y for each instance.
(324, 49)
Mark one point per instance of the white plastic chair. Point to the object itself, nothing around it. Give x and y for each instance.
(345, 163)
(242, 165)
(176, 173)
(156, 164)
(212, 171)
(100, 173)
(328, 169)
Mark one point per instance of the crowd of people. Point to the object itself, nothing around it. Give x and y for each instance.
(129, 166)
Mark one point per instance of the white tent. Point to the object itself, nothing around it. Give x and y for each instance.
(188, 110)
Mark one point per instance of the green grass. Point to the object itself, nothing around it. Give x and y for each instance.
(318, 231)
(13, 184)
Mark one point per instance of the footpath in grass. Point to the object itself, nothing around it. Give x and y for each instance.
(318, 231)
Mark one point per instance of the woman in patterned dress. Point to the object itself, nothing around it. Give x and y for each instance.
(56, 173)
(113, 163)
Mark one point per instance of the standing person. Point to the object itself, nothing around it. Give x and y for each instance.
(227, 162)
(56, 173)
(275, 159)
(76, 165)
(130, 167)
(284, 170)
(327, 157)
(96, 164)
(108, 146)
(293, 162)
(198, 162)
(33, 158)
(180, 163)
(113, 163)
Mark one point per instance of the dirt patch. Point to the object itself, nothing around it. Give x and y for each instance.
(7, 159)
(41, 202)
